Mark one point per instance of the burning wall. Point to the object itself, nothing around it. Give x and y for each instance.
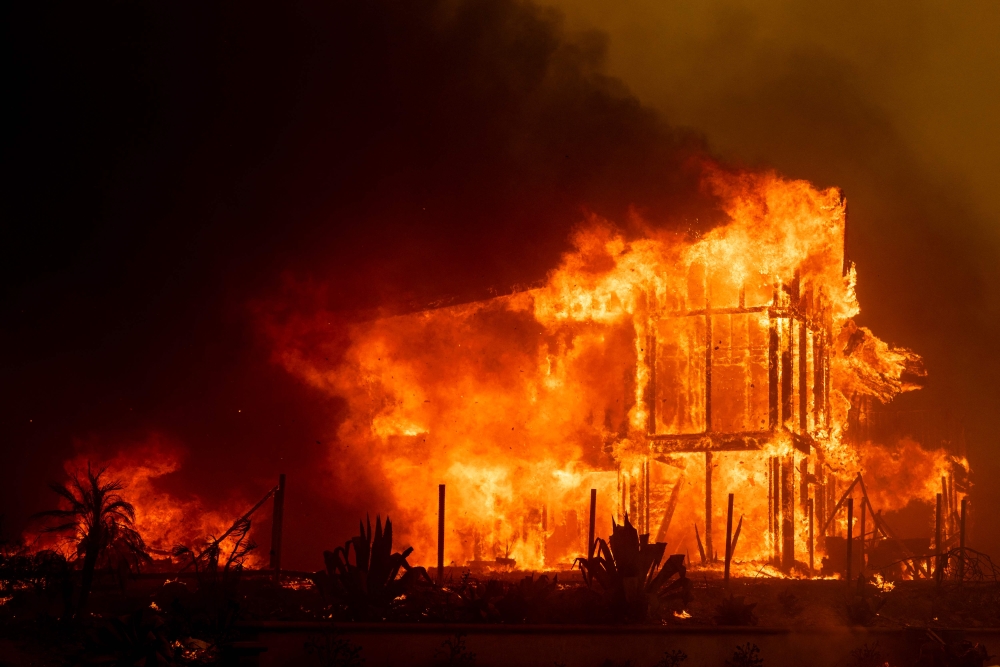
(665, 370)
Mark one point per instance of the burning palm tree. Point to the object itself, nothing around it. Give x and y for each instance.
(101, 523)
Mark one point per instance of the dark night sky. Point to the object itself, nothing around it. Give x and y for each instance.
(167, 168)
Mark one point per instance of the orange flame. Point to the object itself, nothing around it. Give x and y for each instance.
(163, 519)
(522, 403)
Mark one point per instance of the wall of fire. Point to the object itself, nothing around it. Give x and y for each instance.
(740, 380)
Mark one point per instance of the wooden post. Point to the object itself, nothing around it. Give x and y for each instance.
(729, 536)
(776, 519)
(277, 521)
(961, 541)
(646, 494)
(708, 506)
(861, 545)
(770, 500)
(850, 537)
(440, 568)
(820, 502)
(938, 528)
(811, 537)
(787, 514)
(593, 523)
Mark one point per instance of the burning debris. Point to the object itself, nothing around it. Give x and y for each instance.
(663, 370)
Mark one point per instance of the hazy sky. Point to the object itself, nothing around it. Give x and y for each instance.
(930, 73)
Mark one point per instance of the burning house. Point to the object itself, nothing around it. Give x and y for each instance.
(666, 370)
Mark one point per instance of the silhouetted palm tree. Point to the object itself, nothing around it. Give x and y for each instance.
(102, 524)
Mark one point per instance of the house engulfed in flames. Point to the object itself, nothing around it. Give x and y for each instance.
(666, 371)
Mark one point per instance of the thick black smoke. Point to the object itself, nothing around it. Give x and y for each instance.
(168, 167)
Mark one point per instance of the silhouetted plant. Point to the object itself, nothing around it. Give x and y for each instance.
(747, 655)
(628, 572)
(790, 603)
(214, 608)
(454, 652)
(868, 656)
(333, 651)
(867, 601)
(138, 638)
(672, 659)
(369, 585)
(937, 652)
(101, 523)
(735, 610)
(218, 562)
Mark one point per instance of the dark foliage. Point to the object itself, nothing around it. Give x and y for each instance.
(747, 655)
(139, 639)
(454, 652)
(214, 607)
(102, 523)
(529, 600)
(38, 584)
(333, 651)
(868, 656)
(672, 659)
(867, 600)
(370, 584)
(790, 603)
(938, 652)
(627, 572)
(735, 610)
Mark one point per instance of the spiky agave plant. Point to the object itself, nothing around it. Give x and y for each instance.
(101, 523)
(627, 571)
(370, 583)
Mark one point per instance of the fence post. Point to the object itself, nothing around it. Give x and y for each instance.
(593, 523)
(938, 529)
(850, 538)
(729, 537)
(440, 567)
(811, 537)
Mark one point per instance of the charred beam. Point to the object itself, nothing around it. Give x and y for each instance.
(773, 376)
(803, 380)
(787, 514)
(708, 504)
(668, 516)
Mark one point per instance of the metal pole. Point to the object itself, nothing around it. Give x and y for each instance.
(729, 536)
(850, 537)
(593, 523)
(811, 537)
(440, 568)
(277, 521)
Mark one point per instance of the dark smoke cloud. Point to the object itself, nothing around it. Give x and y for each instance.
(171, 167)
